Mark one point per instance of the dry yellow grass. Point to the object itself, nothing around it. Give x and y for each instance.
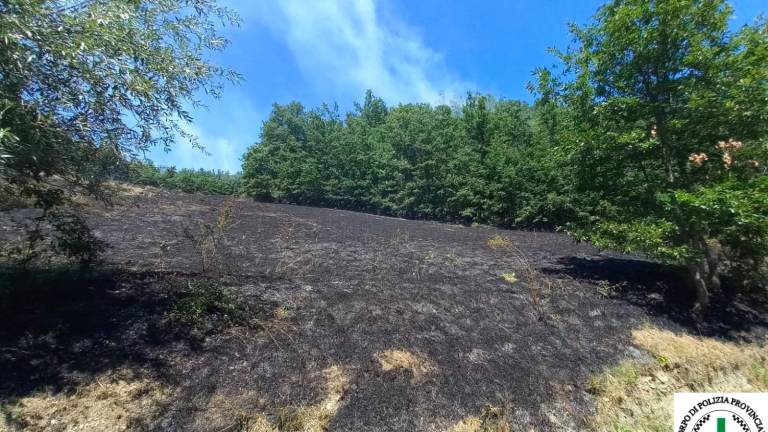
(231, 413)
(498, 242)
(510, 277)
(492, 419)
(112, 402)
(417, 364)
(282, 313)
(257, 423)
(303, 419)
(638, 396)
(315, 418)
(685, 351)
(131, 190)
(468, 424)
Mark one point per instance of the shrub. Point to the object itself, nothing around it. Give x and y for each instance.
(209, 238)
(206, 308)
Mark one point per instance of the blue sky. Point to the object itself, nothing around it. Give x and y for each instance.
(316, 51)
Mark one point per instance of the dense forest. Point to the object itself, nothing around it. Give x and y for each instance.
(487, 160)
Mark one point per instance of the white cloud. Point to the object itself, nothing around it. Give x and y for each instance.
(342, 47)
(219, 151)
(351, 46)
(225, 131)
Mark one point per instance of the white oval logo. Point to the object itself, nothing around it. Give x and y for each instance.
(734, 412)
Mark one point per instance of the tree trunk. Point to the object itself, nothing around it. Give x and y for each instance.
(705, 275)
(713, 260)
(666, 151)
(699, 270)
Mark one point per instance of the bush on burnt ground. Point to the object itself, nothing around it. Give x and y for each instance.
(60, 320)
(205, 307)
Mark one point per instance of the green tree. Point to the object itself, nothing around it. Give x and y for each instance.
(668, 146)
(293, 161)
(478, 162)
(415, 133)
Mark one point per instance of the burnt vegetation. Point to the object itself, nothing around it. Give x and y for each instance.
(424, 325)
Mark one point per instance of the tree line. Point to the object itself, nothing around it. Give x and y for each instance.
(214, 182)
(480, 161)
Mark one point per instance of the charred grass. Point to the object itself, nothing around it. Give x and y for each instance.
(274, 318)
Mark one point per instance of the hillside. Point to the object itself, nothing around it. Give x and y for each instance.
(352, 322)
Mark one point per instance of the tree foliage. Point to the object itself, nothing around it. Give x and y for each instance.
(185, 180)
(87, 84)
(668, 150)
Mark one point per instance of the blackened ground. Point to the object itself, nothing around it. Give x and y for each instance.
(348, 286)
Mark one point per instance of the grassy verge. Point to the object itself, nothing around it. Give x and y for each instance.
(637, 396)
